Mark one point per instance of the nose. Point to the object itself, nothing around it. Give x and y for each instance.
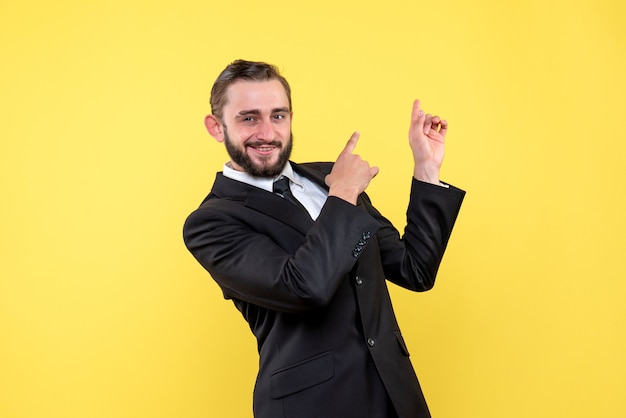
(266, 131)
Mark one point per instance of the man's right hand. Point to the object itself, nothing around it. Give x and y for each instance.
(350, 175)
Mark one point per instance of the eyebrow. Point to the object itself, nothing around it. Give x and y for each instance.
(258, 112)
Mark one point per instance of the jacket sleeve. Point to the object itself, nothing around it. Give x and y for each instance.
(254, 266)
(412, 261)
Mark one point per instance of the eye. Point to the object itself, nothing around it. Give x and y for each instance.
(279, 116)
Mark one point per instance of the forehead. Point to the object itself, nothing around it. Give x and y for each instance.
(256, 95)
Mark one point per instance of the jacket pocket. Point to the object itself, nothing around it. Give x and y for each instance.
(302, 375)
(403, 346)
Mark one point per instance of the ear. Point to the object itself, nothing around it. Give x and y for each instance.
(214, 127)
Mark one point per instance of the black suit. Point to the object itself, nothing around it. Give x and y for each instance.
(315, 296)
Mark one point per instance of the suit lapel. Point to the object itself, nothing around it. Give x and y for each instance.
(261, 201)
(314, 171)
(279, 208)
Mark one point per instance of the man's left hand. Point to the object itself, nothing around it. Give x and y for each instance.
(426, 138)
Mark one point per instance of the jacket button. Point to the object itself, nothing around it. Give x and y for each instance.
(371, 342)
(359, 280)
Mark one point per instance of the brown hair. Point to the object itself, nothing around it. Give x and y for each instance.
(243, 70)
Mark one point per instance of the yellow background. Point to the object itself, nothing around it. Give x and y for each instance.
(103, 313)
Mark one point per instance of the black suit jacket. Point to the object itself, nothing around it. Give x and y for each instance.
(315, 296)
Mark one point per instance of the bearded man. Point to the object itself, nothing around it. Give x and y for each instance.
(305, 257)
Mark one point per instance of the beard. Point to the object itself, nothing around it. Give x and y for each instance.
(241, 158)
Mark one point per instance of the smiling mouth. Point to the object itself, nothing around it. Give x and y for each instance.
(263, 147)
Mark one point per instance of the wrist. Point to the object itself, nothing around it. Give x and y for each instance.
(348, 194)
(426, 175)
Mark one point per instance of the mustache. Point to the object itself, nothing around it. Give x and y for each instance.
(258, 143)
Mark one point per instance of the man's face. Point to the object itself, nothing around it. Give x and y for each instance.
(256, 124)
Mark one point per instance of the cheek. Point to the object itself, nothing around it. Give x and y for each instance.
(285, 131)
(243, 134)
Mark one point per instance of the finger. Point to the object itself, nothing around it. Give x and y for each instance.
(428, 123)
(417, 117)
(351, 145)
(374, 171)
(434, 125)
(416, 114)
(444, 127)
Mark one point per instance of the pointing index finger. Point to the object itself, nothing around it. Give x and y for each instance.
(351, 145)
(416, 111)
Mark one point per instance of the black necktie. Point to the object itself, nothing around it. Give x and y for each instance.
(281, 188)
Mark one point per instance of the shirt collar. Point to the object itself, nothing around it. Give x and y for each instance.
(260, 182)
